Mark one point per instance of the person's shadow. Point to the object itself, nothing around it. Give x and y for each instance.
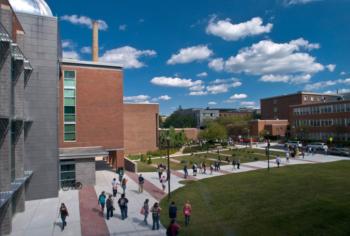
(59, 224)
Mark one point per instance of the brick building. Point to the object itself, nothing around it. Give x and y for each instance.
(272, 127)
(277, 107)
(321, 121)
(28, 107)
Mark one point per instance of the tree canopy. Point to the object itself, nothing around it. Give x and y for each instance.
(180, 120)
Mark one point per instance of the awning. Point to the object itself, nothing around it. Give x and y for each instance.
(81, 152)
(28, 69)
(5, 42)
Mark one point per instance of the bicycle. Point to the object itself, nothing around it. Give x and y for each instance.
(75, 185)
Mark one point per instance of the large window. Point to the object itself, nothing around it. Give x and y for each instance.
(67, 173)
(69, 106)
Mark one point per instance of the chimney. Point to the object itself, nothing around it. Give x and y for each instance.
(95, 25)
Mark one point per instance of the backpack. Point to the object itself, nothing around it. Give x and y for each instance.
(122, 202)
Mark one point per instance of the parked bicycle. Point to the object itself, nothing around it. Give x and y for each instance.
(69, 185)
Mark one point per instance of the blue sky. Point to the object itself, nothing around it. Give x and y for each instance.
(219, 53)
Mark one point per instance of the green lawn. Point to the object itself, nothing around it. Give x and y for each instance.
(144, 167)
(199, 158)
(294, 200)
(250, 154)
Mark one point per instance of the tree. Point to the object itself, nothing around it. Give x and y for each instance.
(213, 132)
(180, 120)
(235, 125)
(176, 138)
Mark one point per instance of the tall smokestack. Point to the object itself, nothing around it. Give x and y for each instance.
(95, 25)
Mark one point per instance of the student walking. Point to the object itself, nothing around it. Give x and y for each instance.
(155, 215)
(238, 163)
(121, 174)
(141, 182)
(187, 212)
(63, 214)
(211, 169)
(163, 181)
(173, 228)
(123, 205)
(172, 211)
(124, 184)
(287, 156)
(145, 211)
(278, 161)
(194, 168)
(110, 207)
(185, 172)
(114, 187)
(102, 201)
(233, 164)
(204, 168)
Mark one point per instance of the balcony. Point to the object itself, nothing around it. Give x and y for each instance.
(5, 43)
(28, 69)
(17, 62)
(4, 127)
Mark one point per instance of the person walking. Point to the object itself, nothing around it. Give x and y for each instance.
(159, 168)
(141, 182)
(238, 163)
(145, 211)
(278, 161)
(287, 156)
(123, 205)
(204, 168)
(124, 184)
(233, 164)
(211, 169)
(163, 181)
(194, 168)
(303, 153)
(172, 211)
(121, 174)
(114, 187)
(110, 207)
(185, 172)
(173, 228)
(102, 201)
(63, 214)
(155, 215)
(187, 212)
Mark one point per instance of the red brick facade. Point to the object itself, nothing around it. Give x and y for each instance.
(99, 109)
(140, 128)
(273, 127)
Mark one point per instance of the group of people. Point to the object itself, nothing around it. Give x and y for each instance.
(174, 228)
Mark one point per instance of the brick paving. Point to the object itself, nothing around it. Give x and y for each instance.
(153, 190)
(181, 175)
(91, 221)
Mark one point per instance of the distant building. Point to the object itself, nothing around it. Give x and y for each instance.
(278, 107)
(322, 121)
(271, 127)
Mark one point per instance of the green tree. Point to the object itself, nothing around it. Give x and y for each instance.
(176, 138)
(180, 120)
(213, 132)
(235, 125)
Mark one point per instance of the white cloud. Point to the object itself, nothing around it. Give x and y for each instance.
(203, 74)
(292, 79)
(223, 85)
(217, 64)
(296, 2)
(248, 103)
(122, 27)
(340, 91)
(84, 20)
(70, 55)
(232, 32)
(267, 57)
(137, 99)
(190, 54)
(85, 50)
(328, 83)
(127, 57)
(198, 93)
(164, 98)
(212, 103)
(175, 82)
(343, 73)
(331, 67)
(67, 44)
(238, 96)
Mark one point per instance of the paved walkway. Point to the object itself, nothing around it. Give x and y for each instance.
(41, 216)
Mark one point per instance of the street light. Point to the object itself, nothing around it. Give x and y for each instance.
(168, 147)
(268, 154)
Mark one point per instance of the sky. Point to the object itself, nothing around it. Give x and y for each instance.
(214, 53)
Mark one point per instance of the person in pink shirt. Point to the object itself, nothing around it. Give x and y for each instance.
(187, 212)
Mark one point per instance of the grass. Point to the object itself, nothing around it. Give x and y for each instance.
(173, 165)
(295, 200)
(250, 154)
(199, 158)
(144, 167)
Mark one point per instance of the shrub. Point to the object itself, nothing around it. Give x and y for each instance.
(149, 160)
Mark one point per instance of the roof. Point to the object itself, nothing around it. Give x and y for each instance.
(81, 152)
(72, 62)
(300, 93)
(33, 7)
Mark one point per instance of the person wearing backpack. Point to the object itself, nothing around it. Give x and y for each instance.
(123, 205)
(187, 212)
(110, 207)
(141, 182)
(173, 228)
(102, 201)
(64, 214)
(172, 210)
(155, 216)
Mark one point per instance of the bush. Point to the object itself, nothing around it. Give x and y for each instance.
(193, 149)
(142, 158)
(149, 160)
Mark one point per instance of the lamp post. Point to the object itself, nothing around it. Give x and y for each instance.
(268, 154)
(168, 147)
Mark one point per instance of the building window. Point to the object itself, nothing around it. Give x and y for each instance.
(67, 173)
(69, 104)
(312, 99)
(305, 98)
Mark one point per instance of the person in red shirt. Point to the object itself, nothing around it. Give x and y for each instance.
(173, 229)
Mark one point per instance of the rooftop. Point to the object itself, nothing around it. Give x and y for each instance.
(300, 93)
(73, 62)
